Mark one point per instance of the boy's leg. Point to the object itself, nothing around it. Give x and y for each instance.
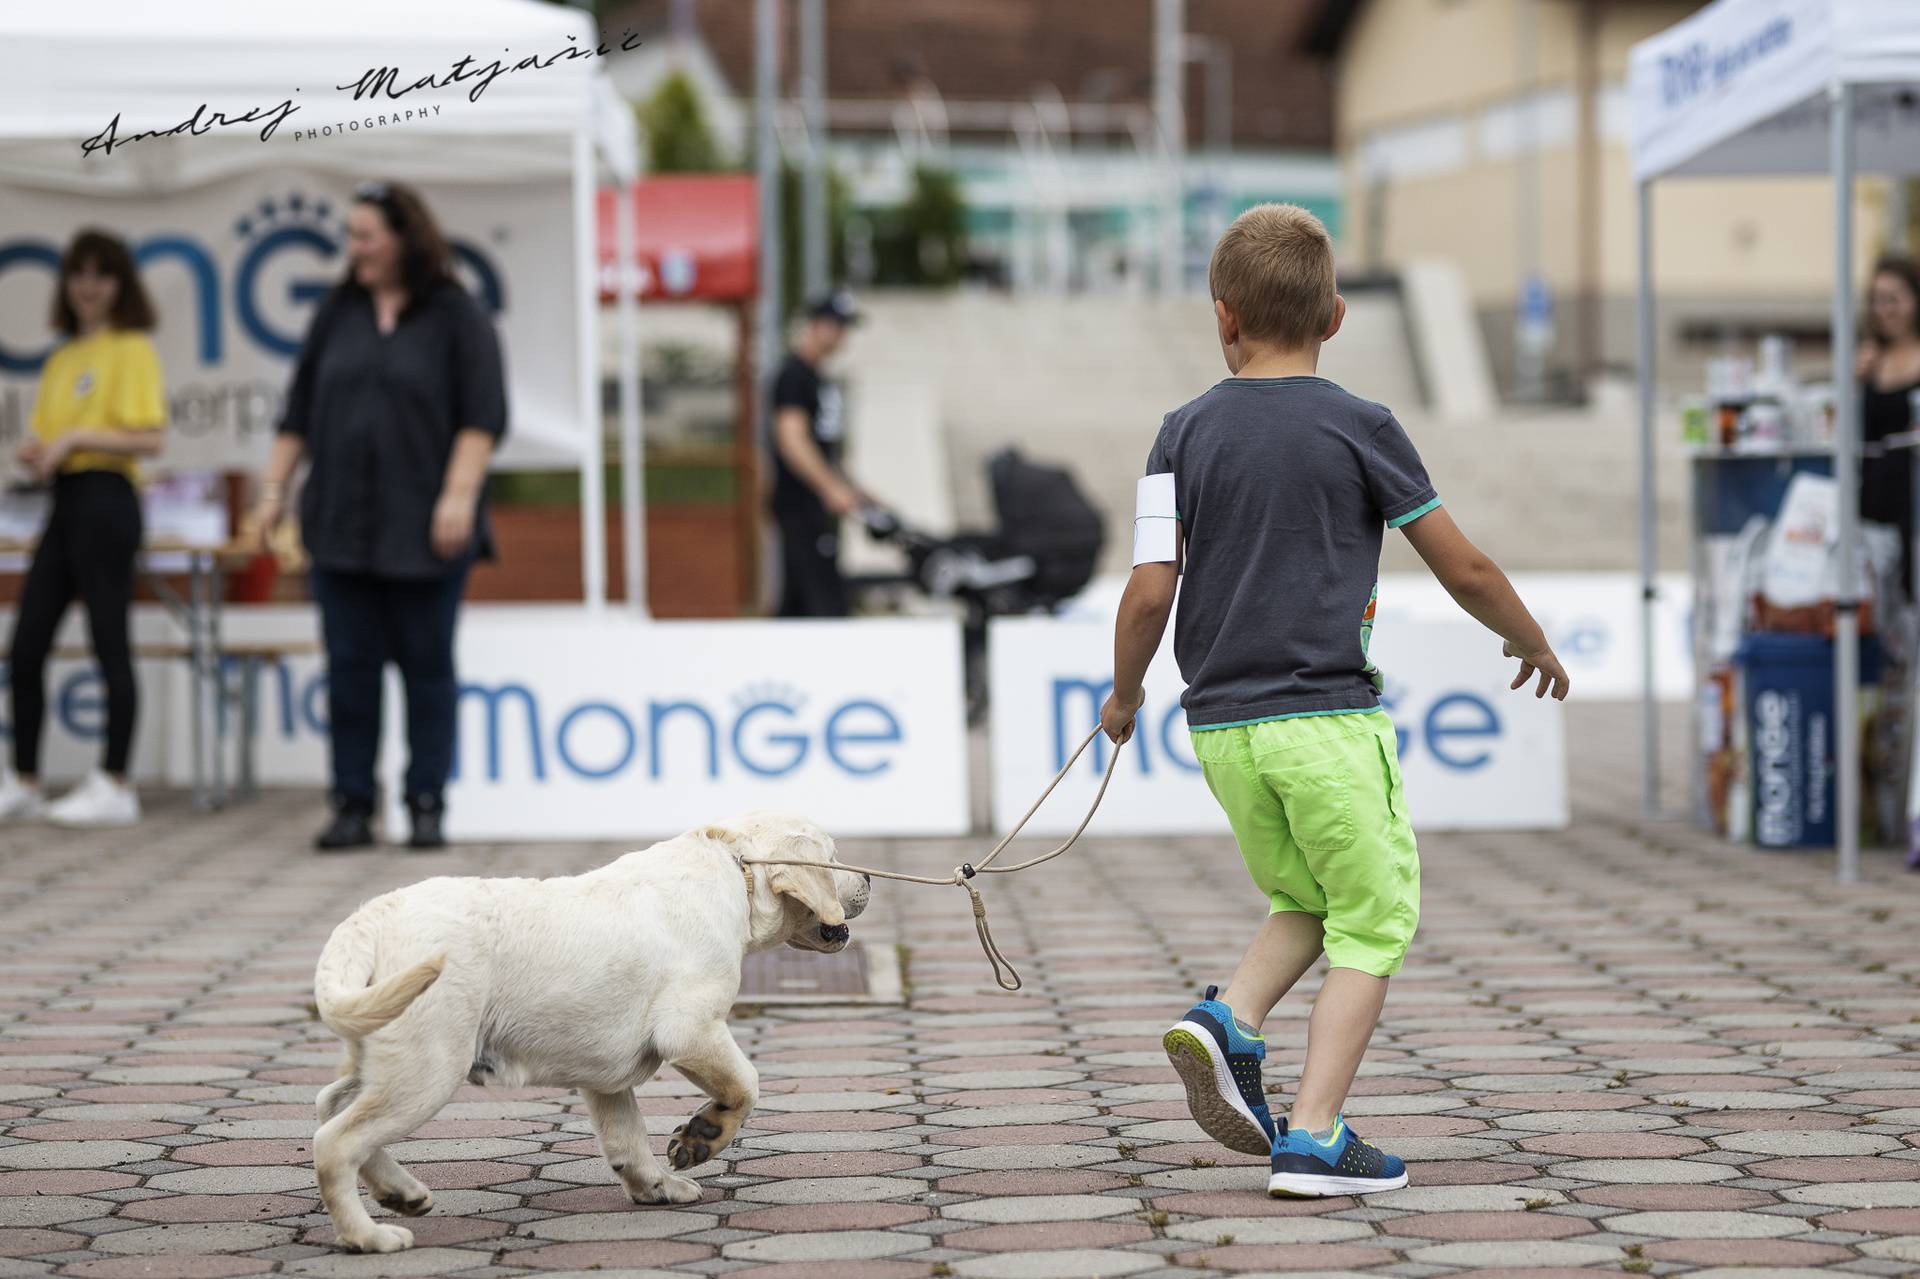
(1286, 946)
(1340, 785)
(1343, 1020)
(1217, 1049)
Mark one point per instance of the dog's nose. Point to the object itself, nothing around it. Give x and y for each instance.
(835, 932)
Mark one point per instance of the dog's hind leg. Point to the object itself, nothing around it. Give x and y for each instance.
(393, 1099)
(622, 1131)
(714, 1062)
(392, 1185)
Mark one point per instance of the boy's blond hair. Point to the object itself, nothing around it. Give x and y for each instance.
(1274, 269)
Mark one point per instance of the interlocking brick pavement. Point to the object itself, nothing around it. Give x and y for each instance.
(1622, 1047)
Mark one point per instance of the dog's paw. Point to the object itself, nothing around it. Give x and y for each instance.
(692, 1143)
(416, 1207)
(381, 1238)
(671, 1190)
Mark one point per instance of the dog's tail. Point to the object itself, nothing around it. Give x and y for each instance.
(348, 1002)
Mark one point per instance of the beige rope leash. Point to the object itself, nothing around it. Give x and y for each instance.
(1004, 974)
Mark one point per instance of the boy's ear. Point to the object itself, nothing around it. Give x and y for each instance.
(1228, 322)
(1339, 317)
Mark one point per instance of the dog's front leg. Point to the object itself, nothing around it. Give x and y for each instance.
(714, 1062)
(622, 1131)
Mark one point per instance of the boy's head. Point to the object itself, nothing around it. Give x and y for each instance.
(1272, 283)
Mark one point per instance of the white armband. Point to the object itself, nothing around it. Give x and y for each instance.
(1155, 521)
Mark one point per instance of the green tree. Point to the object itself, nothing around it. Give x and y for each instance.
(923, 241)
(792, 235)
(679, 139)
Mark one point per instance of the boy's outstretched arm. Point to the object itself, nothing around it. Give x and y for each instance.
(1137, 628)
(1478, 586)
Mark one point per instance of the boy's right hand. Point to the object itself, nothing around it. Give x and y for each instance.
(1116, 717)
(1552, 674)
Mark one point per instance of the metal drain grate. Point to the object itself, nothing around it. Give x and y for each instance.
(855, 975)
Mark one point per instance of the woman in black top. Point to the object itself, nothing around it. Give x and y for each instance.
(397, 402)
(1889, 371)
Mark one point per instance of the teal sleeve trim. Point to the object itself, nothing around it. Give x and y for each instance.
(1268, 719)
(1413, 515)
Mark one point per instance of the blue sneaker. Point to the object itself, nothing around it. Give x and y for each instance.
(1346, 1165)
(1220, 1065)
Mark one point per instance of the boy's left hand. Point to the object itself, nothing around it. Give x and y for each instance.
(1546, 664)
(1116, 717)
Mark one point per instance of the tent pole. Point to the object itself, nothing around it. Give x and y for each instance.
(593, 479)
(632, 463)
(1649, 543)
(769, 310)
(1169, 114)
(815, 256)
(1846, 458)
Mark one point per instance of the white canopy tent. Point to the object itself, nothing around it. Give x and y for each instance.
(1778, 87)
(66, 71)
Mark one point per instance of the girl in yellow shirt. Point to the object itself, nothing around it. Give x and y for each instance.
(99, 408)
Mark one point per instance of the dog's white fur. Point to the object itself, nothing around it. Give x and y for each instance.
(588, 982)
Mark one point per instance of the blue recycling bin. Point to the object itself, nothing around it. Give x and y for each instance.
(1787, 683)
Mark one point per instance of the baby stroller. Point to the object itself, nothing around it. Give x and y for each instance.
(1045, 552)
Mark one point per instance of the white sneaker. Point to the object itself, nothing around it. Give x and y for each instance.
(97, 801)
(19, 802)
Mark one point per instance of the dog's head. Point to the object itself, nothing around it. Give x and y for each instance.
(817, 898)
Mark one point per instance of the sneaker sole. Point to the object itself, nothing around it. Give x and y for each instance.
(1293, 1185)
(1212, 1097)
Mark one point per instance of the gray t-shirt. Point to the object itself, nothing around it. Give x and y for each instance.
(1283, 486)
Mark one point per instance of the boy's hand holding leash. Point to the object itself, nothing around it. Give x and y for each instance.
(1145, 606)
(1116, 717)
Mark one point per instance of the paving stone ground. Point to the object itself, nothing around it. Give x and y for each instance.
(1619, 1048)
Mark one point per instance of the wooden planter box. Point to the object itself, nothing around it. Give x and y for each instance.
(694, 566)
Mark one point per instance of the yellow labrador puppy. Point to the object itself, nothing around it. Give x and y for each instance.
(589, 982)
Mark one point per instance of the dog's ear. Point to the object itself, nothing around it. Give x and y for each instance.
(811, 886)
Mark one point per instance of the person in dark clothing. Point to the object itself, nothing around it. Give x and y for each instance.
(100, 407)
(397, 402)
(811, 493)
(1889, 372)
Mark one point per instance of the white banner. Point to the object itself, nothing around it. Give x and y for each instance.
(1591, 619)
(235, 268)
(614, 728)
(1475, 756)
(570, 729)
(292, 718)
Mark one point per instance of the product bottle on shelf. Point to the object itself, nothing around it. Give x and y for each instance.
(1695, 416)
(1772, 394)
(1728, 392)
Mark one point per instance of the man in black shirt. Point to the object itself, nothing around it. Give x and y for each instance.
(811, 494)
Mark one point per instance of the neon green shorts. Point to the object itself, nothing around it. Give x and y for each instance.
(1318, 809)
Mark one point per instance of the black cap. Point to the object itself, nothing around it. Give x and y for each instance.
(836, 306)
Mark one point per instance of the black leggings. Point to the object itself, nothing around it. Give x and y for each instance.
(87, 553)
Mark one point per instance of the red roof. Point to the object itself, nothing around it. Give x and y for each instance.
(696, 238)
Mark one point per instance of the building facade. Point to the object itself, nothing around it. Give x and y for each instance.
(1495, 133)
(1043, 111)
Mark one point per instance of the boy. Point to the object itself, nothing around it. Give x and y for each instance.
(1270, 492)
